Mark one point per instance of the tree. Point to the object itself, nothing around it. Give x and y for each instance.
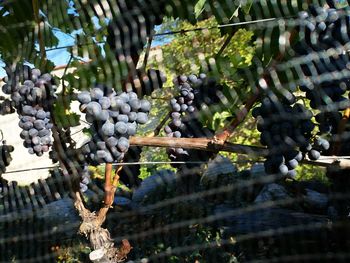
(270, 67)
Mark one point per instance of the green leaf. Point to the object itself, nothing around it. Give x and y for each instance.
(64, 118)
(235, 13)
(199, 8)
(236, 60)
(49, 37)
(246, 5)
(219, 119)
(60, 18)
(87, 131)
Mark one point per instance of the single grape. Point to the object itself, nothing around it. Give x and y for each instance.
(142, 118)
(123, 144)
(108, 129)
(121, 127)
(145, 106)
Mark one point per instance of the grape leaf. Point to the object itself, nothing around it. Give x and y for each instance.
(64, 118)
(199, 7)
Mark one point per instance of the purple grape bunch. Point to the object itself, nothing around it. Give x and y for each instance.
(113, 118)
(5, 156)
(321, 30)
(85, 178)
(6, 106)
(180, 105)
(287, 131)
(33, 94)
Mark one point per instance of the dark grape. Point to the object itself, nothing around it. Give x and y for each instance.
(286, 130)
(33, 94)
(322, 30)
(181, 107)
(113, 117)
(5, 156)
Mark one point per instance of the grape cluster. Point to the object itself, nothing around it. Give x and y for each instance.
(180, 105)
(113, 117)
(208, 92)
(30, 88)
(320, 30)
(286, 130)
(5, 156)
(6, 106)
(85, 179)
(129, 175)
(33, 94)
(36, 133)
(183, 122)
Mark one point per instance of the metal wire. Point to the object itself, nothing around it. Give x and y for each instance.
(121, 164)
(179, 31)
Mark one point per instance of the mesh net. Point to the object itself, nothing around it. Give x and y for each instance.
(198, 131)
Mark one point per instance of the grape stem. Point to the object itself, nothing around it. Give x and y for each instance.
(109, 190)
(42, 49)
(160, 126)
(205, 144)
(148, 48)
(225, 44)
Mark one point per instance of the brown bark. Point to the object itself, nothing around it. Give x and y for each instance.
(99, 237)
(204, 144)
(109, 195)
(207, 144)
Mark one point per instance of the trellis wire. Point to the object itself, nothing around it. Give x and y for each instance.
(122, 164)
(180, 31)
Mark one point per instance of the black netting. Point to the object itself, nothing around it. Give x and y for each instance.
(174, 131)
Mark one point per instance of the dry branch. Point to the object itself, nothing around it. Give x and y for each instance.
(206, 144)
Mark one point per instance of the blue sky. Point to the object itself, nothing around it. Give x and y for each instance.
(61, 56)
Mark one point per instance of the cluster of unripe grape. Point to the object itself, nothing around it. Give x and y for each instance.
(286, 130)
(113, 118)
(33, 94)
(5, 156)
